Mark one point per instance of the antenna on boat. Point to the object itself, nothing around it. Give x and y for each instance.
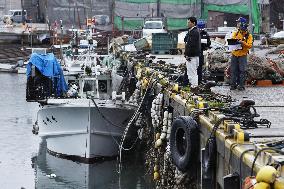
(93, 58)
(61, 52)
(108, 50)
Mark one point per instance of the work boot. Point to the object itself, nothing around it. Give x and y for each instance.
(233, 88)
(241, 88)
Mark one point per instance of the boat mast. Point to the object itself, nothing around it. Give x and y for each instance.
(79, 23)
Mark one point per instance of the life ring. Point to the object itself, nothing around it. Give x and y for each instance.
(184, 142)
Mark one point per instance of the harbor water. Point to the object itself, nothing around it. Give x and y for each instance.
(24, 162)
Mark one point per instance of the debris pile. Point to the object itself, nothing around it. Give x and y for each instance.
(218, 60)
(260, 68)
(272, 41)
(277, 50)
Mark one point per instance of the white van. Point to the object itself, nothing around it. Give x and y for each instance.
(15, 16)
(153, 26)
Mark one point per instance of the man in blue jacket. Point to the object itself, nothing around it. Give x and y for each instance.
(192, 51)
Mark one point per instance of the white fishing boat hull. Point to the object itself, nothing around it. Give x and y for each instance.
(79, 129)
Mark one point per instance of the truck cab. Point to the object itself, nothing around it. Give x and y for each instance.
(15, 16)
(153, 26)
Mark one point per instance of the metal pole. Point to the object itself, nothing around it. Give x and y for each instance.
(31, 39)
(250, 16)
(251, 24)
(61, 33)
(38, 12)
(158, 7)
(122, 24)
(202, 9)
(31, 32)
(22, 6)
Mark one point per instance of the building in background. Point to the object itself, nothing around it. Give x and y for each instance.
(72, 12)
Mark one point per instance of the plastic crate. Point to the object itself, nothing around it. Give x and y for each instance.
(162, 43)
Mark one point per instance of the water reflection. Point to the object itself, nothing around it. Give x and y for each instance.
(54, 172)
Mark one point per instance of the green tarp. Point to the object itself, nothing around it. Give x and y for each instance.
(236, 9)
(177, 18)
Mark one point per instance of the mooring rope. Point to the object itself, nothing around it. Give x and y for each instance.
(130, 123)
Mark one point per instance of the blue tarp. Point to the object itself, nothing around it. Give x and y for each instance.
(49, 67)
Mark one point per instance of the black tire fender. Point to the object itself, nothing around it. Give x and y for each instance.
(184, 142)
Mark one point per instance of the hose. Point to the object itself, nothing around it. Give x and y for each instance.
(268, 148)
(241, 158)
(103, 116)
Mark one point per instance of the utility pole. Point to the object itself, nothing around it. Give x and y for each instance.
(79, 22)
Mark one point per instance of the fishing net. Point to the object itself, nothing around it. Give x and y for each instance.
(263, 68)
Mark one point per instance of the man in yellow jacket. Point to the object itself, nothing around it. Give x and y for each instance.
(239, 57)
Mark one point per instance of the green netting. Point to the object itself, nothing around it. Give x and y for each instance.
(128, 24)
(163, 1)
(183, 2)
(235, 9)
(176, 23)
(256, 16)
(172, 23)
(138, 1)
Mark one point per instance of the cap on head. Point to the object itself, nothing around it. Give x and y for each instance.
(242, 20)
(200, 24)
(243, 23)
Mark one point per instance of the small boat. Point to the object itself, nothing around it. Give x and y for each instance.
(85, 126)
(6, 68)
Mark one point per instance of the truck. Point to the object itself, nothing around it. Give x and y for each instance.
(15, 16)
(153, 25)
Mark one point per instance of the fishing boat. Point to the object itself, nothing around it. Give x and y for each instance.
(84, 124)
